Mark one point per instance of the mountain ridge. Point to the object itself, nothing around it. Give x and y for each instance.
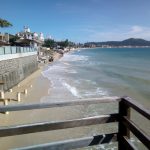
(126, 42)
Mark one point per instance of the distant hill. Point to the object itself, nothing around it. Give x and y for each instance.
(127, 42)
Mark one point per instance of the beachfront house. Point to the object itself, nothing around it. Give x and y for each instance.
(26, 38)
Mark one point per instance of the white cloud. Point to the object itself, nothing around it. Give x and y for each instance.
(136, 29)
(117, 34)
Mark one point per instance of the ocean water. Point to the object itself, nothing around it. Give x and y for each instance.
(102, 72)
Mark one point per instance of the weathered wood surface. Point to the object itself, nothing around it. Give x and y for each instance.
(75, 143)
(48, 126)
(20, 107)
(124, 110)
(138, 107)
(139, 133)
(123, 117)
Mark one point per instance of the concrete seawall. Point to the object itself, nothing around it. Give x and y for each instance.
(14, 70)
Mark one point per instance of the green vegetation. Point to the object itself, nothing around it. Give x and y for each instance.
(13, 39)
(62, 44)
(49, 43)
(4, 23)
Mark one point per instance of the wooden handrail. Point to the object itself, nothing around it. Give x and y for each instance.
(1, 82)
(75, 143)
(126, 125)
(139, 133)
(48, 126)
(123, 117)
(21, 107)
(136, 106)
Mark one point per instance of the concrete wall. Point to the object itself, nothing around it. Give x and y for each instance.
(12, 71)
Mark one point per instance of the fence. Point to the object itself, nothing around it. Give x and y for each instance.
(13, 50)
(125, 124)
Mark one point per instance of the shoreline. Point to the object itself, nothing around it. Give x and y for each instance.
(31, 81)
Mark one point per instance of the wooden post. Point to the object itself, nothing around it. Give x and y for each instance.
(19, 96)
(124, 110)
(6, 103)
(10, 90)
(2, 95)
(2, 85)
(25, 91)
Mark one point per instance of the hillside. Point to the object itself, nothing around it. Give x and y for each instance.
(127, 42)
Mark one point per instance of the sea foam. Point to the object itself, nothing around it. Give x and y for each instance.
(70, 58)
(72, 89)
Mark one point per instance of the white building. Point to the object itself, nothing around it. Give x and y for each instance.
(28, 38)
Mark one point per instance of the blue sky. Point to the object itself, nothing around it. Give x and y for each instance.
(80, 20)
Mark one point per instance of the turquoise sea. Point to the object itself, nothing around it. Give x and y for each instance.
(102, 72)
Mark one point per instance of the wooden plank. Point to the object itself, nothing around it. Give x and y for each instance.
(124, 110)
(75, 143)
(139, 133)
(138, 107)
(47, 126)
(20, 107)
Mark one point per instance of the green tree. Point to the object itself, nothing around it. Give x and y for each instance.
(4, 23)
(13, 39)
(63, 43)
(66, 43)
(49, 43)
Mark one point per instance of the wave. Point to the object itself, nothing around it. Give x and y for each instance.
(70, 58)
(97, 92)
(58, 75)
(66, 64)
(58, 71)
(72, 89)
(95, 63)
(84, 82)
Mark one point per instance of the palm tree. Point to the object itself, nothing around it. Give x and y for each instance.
(4, 23)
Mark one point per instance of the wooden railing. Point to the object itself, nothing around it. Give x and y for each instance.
(125, 125)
